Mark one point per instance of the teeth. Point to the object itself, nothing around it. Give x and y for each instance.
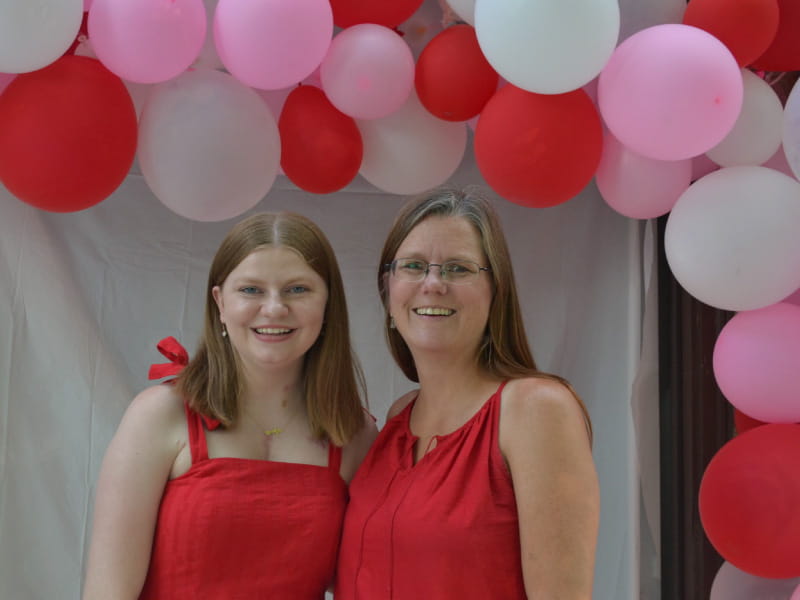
(446, 312)
(271, 330)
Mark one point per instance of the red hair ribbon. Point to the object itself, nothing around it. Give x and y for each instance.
(179, 358)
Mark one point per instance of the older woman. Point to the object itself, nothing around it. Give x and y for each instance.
(481, 484)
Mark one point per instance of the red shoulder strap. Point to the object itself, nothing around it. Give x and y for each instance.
(197, 435)
(334, 457)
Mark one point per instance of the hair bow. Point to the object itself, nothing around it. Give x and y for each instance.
(177, 355)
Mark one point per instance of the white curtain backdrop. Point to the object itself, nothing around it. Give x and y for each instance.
(85, 297)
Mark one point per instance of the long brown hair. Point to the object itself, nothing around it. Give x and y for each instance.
(332, 379)
(504, 351)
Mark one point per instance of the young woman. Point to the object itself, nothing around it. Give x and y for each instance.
(231, 482)
(481, 484)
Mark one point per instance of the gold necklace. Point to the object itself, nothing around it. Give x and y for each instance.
(270, 431)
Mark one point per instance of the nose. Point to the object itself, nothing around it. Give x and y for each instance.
(273, 304)
(433, 281)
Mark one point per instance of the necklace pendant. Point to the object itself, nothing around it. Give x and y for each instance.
(273, 431)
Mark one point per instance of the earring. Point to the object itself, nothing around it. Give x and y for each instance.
(392, 323)
(224, 331)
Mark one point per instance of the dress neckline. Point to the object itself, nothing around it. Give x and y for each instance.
(405, 417)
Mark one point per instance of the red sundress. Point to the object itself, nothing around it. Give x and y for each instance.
(232, 528)
(443, 528)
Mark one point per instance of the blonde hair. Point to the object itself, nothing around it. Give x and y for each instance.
(504, 351)
(333, 382)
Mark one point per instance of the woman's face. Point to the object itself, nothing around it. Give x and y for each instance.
(432, 314)
(273, 306)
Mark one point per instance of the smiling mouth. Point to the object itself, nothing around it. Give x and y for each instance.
(272, 330)
(434, 312)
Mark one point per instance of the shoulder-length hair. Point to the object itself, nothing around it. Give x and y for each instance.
(333, 382)
(504, 351)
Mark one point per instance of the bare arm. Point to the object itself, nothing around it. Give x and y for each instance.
(544, 440)
(134, 472)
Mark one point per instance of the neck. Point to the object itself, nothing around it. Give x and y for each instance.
(451, 383)
(272, 391)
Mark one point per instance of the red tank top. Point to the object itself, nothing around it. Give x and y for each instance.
(232, 528)
(441, 529)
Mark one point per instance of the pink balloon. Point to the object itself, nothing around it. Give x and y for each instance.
(796, 594)
(670, 92)
(637, 186)
(87, 4)
(272, 44)
(757, 363)
(368, 72)
(147, 41)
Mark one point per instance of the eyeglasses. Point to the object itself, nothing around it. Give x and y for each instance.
(457, 272)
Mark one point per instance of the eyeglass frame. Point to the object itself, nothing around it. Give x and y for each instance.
(442, 273)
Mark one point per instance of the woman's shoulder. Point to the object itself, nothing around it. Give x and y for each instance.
(541, 401)
(397, 407)
(159, 406)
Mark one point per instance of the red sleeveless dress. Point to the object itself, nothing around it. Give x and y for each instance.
(237, 529)
(442, 529)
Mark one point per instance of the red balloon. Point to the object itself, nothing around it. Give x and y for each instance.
(321, 148)
(749, 499)
(784, 52)
(67, 135)
(746, 27)
(454, 80)
(538, 150)
(383, 12)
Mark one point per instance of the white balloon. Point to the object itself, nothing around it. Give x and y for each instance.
(208, 145)
(732, 239)
(756, 135)
(731, 583)
(791, 129)
(410, 150)
(547, 46)
(464, 9)
(35, 33)
(637, 186)
(636, 15)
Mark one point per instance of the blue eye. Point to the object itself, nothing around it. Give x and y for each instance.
(297, 289)
(250, 289)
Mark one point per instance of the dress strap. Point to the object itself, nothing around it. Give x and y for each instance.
(197, 435)
(500, 388)
(334, 457)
